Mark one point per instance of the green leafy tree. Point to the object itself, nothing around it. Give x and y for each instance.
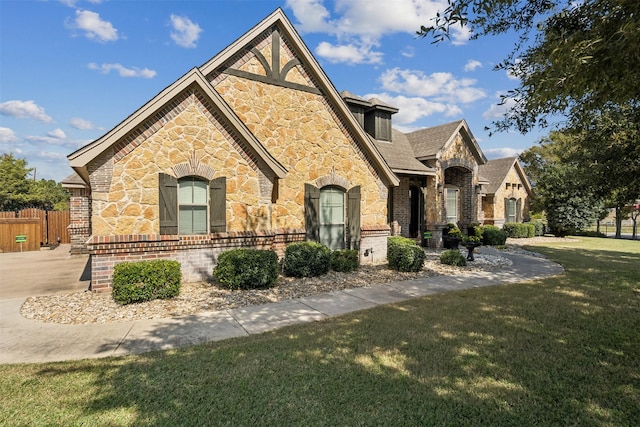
(14, 185)
(17, 191)
(572, 57)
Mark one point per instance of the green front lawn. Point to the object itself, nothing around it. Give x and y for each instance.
(560, 351)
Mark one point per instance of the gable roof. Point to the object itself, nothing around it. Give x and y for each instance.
(279, 19)
(79, 159)
(496, 171)
(399, 155)
(82, 157)
(429, 143)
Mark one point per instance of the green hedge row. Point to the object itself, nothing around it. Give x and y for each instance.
(519, 230)
(145, 281)
(404, 254)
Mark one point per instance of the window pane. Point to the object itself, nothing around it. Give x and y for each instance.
(199, 220)
(332, 236)
(185, 220)
(185, 192)
(200, 193)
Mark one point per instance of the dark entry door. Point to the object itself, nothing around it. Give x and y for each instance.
(416, 210)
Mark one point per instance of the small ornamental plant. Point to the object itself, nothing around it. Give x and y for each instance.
(453, 231)
(475, 235)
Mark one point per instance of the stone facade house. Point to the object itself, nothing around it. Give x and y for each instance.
(257, 149)
(506, 193)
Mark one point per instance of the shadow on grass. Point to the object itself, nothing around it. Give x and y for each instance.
(557, 351)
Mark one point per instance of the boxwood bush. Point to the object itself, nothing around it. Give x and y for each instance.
(519, 230)
(344, 260)
(404, 254)
(493, 236)
(453, 257)
(247, 269)
(306, 259)
(145, 281)
(540, 227)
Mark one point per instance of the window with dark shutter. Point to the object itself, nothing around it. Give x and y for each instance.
(218, 205)
(168, 198)
(311, 212)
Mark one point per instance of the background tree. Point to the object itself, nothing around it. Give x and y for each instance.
(14, 185)
(17, 191)
(563, 187)
(572, 57)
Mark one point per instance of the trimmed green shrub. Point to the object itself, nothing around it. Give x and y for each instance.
(540, 227)
(344, 260)
(493, 236)
(519, 230)
(145, 281)
(453, 257)
(247, 269)
(404, 254)
(306, 259)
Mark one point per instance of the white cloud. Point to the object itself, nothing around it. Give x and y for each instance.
(57, 133)
(81, 124)
(7, 136)
(499, 153)
(94, 27)
(24, 110)
(443, 87)
(460, 35)
(472, 65)
(408, 52)
(186, 33)
(412, 109)
(499, 110)
(360, 24)
(122, 70)
(55, 140)
(348, 53)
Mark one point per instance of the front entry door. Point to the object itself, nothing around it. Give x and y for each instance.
(416, 211)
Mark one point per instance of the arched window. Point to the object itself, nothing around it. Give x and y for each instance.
(332, 217)
(193, 204)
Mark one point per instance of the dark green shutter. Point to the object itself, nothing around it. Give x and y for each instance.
(353, 217)
(519, 210)
(506, 210)
(218, 205)
(168, 198)
(312, 212)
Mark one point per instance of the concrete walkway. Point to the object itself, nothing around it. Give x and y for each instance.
(27, 341)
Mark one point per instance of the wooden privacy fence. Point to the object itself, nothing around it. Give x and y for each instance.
(19, 234)
(51, 226)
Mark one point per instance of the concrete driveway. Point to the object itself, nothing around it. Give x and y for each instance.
(44, 272)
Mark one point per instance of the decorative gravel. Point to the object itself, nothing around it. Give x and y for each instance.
(88, 307)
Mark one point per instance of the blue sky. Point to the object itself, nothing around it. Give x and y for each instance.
(72, 69)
